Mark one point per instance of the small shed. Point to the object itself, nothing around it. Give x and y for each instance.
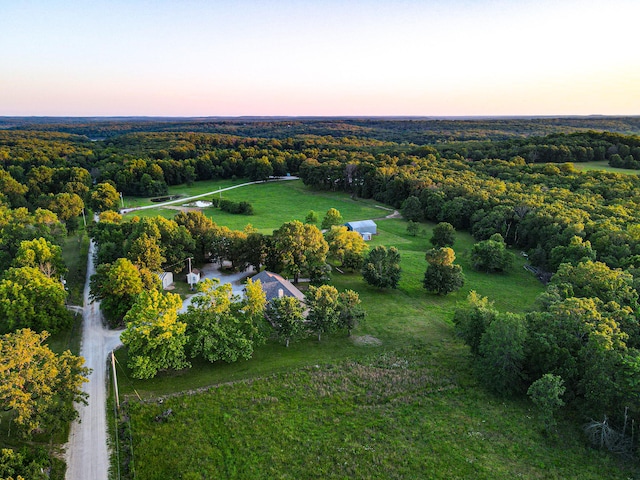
(363, 227)
(167, 279)
(193, 277)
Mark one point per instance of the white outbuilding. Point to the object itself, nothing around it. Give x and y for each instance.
(167, 279)
(366, 228)
(193, 277)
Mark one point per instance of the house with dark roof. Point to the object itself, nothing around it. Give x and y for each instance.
(274, 286)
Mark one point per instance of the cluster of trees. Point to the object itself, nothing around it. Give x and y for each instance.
(229, 206)
(40, 201)
(32, 294)
(38, 385)
(219, 326)
(327, 311)
(577, 147)
(584, 332)
(129, 253)
(381, 267)
(32, 464)
(534, 207)
(345, 131)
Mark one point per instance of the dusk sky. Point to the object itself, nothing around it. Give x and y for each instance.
(285, 57)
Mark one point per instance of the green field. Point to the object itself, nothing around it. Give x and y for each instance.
(274, 203)
(197, 188)
(409, 407)
(410, 414)
(603, 165)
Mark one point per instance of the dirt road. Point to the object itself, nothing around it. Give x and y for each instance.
(87, 454)
(195, 197)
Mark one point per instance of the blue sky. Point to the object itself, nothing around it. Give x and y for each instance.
(230, 58)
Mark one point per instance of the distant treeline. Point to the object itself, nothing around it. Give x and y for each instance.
(513, 187)
(619, 150)
(392, 129)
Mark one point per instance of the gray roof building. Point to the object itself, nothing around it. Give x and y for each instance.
(363, 226)
(275, 286)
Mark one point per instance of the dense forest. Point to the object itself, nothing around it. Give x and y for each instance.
(416, 130)
(517, 178)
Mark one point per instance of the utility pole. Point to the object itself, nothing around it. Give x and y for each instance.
(84, 220)
(115, 379)
(121, 200)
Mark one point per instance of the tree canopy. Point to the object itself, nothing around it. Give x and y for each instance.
(442, 276)
(298, 248)
(382, 267)
(155, 337)
(38, 385)
(30, 299)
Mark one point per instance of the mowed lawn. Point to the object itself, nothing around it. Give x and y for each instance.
(396, 400)
(603, 165)
(274, 203)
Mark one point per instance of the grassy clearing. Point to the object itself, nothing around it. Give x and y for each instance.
(406, 414)
(603, 165)
(184, 190)
(278, 202)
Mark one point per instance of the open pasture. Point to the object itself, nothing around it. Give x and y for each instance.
(396, 400)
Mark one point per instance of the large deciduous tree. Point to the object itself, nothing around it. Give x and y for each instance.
(154, 336)
(324, 309)
(412, 209)
(104, 197)
(382, 267)
(287, 318)
(296, 248)
(221, 326)
(443, 235)
(145, 252)
(346, 246)
(66, 205)
(43, 255)
(38, 385)
(491, 255)
(545, 394)
(332, 217)
(201, 229)
(472, 320)
(442, 276)
(350, 311)
(116, 285)
(502, 354)
(30, 299)
(258, 169)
